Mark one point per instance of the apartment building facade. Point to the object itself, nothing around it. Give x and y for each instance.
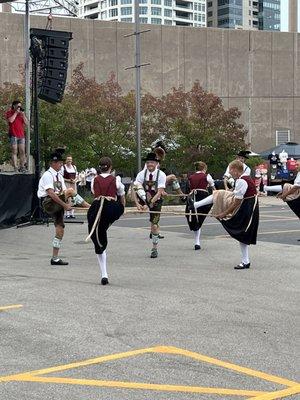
(244, 14)
(159, 12)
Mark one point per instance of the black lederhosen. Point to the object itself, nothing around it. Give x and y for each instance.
(195, 221)
(243, 225)
(111, 212)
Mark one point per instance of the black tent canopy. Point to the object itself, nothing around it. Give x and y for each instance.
(292, 148)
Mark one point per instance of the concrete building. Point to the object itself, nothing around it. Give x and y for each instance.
(269, 15)
(237, 14)
(256, 71)
(159, 12)
(293, 15)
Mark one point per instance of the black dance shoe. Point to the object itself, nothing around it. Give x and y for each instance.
(197, 247)
(242, 266)
(159, 236)
(154, 253)
(58, 262)
(104, 281)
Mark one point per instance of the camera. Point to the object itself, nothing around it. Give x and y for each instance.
(20, 109)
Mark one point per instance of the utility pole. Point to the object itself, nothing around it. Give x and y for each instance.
(27, 79)
(137, 33)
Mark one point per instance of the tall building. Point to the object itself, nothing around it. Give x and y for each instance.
(161, 12)
(234, 14)
(269, 15)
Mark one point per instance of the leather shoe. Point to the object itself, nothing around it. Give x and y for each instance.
(154, 253)
(242, 266)
(197, 247)
(104, 281)
(58, 262)
(159, 236)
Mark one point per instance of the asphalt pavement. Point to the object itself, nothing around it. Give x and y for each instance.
(183, 326)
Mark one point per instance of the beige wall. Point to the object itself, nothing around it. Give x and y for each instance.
(258, 72)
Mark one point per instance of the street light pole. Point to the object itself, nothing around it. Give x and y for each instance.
(137, 83)
(27, 79)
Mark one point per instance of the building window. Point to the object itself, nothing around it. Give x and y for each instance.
(143, 20)
(156, 21)
(113, 12)
(126, 10)
(209, 4)
(113, 3)
(143, 10)
(143, 1)
(168, 13)
(209, 23)
(210, 14)
(168, 3)
(156, 2)
(155, 11)
(103, 15)
(126, 19)
(283, 136)
(126, 1)
(168, 22)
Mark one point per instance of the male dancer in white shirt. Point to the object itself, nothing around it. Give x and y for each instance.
(148, 189)
(54, 194)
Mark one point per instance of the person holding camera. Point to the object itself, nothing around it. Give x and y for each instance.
(17, 121)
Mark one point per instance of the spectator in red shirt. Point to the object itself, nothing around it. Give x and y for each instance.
(17, 120)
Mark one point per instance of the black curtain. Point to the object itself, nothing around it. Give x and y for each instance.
(16, 193)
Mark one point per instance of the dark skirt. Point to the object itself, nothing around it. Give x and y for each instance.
(243, 225)
(195, 221)
(295, 206)
(111, 212)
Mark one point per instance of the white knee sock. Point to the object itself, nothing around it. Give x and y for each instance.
(102, 264)
(245, 254)
(197, 236)
(275, 188)
(205, 202)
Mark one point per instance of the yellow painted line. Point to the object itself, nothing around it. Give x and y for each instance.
(225, 364)
(4, 308)
(279, 394)
(35, 376)
(138, 385)
(84, 363)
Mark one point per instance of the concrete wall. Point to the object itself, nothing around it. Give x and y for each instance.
(258, 72)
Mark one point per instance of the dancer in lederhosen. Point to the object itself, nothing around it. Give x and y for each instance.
(289, 193)
(237, 211)
(198, 185)
(148, 188)
(107, 207)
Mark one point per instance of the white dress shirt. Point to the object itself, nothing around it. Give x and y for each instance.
(47, 182)
(297, 180)
(247, 171)
(241, 187)
(161, 184)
